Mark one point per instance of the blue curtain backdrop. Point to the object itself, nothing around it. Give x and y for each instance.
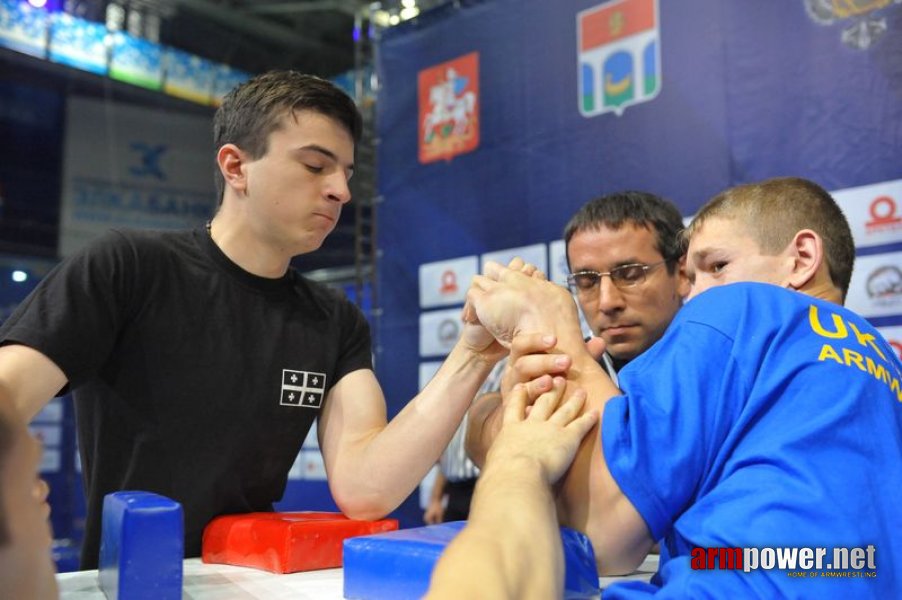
(741, 91)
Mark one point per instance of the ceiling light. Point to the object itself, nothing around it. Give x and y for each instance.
(382, 18)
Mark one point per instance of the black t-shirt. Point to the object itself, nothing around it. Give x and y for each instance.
(192, 378)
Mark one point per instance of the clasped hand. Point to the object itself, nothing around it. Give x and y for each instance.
(547, 434)
(506, 301)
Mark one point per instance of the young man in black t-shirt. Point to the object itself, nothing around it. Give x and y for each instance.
(199, 359)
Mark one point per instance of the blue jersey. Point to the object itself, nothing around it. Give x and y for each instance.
(767, 421)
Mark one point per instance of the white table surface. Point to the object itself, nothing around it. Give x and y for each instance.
(214, 582)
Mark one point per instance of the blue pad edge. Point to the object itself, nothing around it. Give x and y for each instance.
(142, 546)
(398, 564)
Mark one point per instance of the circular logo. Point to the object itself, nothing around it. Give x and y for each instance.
(897, 346)
(883, 210)
(885, 281)
(448, 331)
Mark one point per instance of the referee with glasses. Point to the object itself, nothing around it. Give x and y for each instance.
(628, 276)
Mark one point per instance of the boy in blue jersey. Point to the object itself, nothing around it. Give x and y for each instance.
(780, 413)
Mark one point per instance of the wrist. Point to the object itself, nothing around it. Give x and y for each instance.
(556, 314)
(513, 466)
(512, 480)
(481, 359)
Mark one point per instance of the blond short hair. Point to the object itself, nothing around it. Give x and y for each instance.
(774, 210)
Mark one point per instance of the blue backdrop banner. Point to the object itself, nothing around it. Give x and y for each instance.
(498, 119)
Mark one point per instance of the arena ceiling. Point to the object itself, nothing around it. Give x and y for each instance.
(314, 36)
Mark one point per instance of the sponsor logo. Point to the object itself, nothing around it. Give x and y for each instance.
(148, 160)
(449, 283)
(885, 282)
(619, 56)
(449, 108)
(302, 388)
(798, 562)
(883, 215)
(448, 331)
(897, 347)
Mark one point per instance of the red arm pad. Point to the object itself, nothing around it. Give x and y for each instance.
(284, 542)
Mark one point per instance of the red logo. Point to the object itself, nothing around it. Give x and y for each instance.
(449, 283)
(897, 346)
(449, 108)
(883, 213)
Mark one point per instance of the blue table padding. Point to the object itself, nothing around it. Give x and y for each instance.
(397, 565)
(141, 547)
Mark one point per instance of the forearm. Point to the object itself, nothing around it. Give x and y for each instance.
(28, 379)
(483, 423)
(589, 499)
(372, 471)
(511, 545)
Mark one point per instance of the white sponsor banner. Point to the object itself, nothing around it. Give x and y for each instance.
(874, 212)
(535, 254)
(308, 465)
(313, 465)
(445, 282)
(311, 442)
(439, 331)
(51, 413)
(50, 461)
(893, 335)
(128, 166)
(557, 252)
(304, 458)
(50, 435)
(427, 371)
(876, 287)
(296, 470)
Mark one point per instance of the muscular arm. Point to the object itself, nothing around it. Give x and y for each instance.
(533, 361)
(589, 499)
(483, 423)
(28, 379)
(373, 465)
(511, 545)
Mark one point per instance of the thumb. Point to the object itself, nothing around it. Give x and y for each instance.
(596, 347)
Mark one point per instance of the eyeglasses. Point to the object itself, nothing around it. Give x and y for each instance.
(624, 276)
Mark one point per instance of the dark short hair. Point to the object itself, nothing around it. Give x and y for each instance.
(774, 210)
(642, 209)
(7, 434)
(253, 110)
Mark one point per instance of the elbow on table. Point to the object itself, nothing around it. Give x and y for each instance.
(362, 508)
